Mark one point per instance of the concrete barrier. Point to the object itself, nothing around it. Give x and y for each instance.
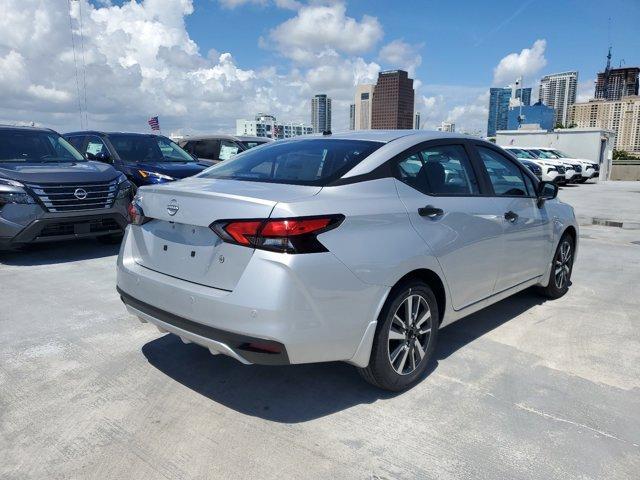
(627, 171)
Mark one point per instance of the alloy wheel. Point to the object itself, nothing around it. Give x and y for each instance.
(409, 334)
(562, 265)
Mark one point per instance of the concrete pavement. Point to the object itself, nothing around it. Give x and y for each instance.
(526, 389)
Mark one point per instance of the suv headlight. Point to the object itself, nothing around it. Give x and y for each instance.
(159, 176)
(124, 187)
(12, 191)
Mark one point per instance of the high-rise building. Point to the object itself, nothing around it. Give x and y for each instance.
(393, 98)
(267, 126)
(499, 99)
(558, 91)
(416, 123)
(615, 83)
(363, 102)
(352, 116)
(321, 113)
(622, 116)
(447, 127)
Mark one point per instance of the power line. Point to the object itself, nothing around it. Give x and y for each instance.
(73, 46)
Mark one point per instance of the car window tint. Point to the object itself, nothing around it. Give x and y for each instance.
(506, 178)
(76, 141)
(410, 171)
(531, 189)
(206, 149)
(316, 161)
(227, 149)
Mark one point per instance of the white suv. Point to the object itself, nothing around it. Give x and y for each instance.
(552, 170)
(355, 247)
(588, 169)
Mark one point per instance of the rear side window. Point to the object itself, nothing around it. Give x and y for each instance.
(300, 162)
(505, 176)
(440, 170)
(228, 149)
(205, 149)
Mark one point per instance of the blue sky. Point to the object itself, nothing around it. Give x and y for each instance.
(463, 41)
(200, 64)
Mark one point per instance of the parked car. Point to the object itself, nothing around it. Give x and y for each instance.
(587, 168)
(575, 167)
(551, 171)
(212, 149)
(355, 247)
(534, 167)
(48, 191)
(146, 159)
(251, 142)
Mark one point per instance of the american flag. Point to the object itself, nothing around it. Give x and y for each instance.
(154, 123)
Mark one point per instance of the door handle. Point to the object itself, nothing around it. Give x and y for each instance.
(511, 216)
(430, 211)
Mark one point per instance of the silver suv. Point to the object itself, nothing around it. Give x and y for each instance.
(355, 247)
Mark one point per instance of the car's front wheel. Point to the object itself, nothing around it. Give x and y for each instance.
(561, 269)
(405, 337)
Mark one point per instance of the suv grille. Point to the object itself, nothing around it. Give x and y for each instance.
(75, 197)
(578, 168)
(560, 169)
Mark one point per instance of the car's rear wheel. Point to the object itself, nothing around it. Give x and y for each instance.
(560, 275)
(405, 337)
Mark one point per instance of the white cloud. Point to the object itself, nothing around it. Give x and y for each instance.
(141, 61)
(399, 54)
(286, 4)
(321, 29)
(527, 63)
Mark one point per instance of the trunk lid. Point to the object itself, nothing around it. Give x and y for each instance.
(178, 241)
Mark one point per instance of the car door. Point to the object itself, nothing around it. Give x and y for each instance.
(439, 187)
(527, 229)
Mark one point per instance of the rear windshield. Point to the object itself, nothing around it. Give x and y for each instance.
(36, 147)
(148, 148)
(300, 162)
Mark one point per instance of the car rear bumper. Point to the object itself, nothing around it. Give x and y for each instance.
(311, 307)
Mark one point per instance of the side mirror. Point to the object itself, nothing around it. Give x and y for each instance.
(546, 191)
(103, 157)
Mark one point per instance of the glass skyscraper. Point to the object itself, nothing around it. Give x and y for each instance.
(499, 107)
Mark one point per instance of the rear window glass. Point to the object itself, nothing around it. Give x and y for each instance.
(301, 162)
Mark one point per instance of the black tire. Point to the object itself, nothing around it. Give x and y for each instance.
(110, 239)
(557, 288)
(381, 372)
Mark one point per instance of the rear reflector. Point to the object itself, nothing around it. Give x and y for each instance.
(287, 235)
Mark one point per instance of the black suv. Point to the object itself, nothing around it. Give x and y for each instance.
(48, 191)
(145, 158)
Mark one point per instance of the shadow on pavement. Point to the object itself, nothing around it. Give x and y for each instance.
(57, 252)
(299, 393)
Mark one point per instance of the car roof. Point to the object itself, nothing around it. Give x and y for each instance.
(220, 136)
(249, 138)
(386, 136)
(98, 132)
(26, 128)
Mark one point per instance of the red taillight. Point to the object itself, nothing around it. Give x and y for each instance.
(289, 235)
(136, 215)
(288, 228)
(243, 232)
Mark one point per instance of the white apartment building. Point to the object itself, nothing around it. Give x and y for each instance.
(622, 116)
(363, 109)
(558, 91)
(447, 127)
(267, 126)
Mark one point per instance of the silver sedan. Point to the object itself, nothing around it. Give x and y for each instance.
(355, 247)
